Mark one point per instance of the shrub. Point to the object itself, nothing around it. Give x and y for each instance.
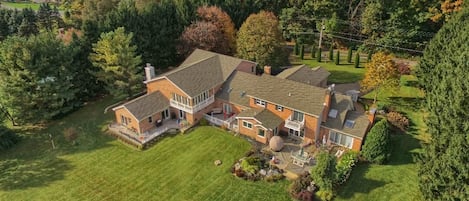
(323, 173)
(357, 60)
(251, 164)
(7, 138)
(337, 58)
(305, 196)
(299, 184)
(368, 58)
(349, 55)
(313, 51)
(203, 122)
(326, 195)
(398, 120)
(302, 52)
(403, 68)
(296, 48)
(331, 53)
(377, 144)
(318, 55)
(344, 166)
(274, 177)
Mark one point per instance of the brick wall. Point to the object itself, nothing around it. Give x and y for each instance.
(133, 124)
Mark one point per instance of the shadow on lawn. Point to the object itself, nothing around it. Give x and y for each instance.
(341, 77)
(26, 173)
(358, 183)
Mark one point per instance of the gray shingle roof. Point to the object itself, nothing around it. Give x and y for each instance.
(305, 74)
(343, 104)
(266, 117)
(146, 105)
(291, 94)
(201, 71)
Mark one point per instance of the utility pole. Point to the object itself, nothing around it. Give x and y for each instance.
(323, 27)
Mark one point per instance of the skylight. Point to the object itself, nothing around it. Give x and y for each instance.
(349, 123)
(332, 113)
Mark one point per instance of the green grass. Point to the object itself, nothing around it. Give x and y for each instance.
(396, 180)
(179, 167)
(34, 6)
(342, 73)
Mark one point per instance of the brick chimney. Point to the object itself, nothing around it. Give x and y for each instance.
(149, 72)
(268, 70)
(327, 102)
(371, 116)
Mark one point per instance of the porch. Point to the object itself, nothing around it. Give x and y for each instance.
(133, 137)
(222, 120)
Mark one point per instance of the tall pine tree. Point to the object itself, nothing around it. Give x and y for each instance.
(444, 165)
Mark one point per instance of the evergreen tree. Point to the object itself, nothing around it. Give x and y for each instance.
(313, 51)
(443, 167)
(118, 62)
(318, 55)
(302, 52)
(323, 173)
(48, 18)
(7, 138)
(14, 21)
(357, 60)
(296, 49)
(349, 55)
(331, 53)
(337, 58)
(28, 24)
(368, 58)
(377, 144)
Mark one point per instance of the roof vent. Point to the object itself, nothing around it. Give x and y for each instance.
(289, 94)
(242, 93)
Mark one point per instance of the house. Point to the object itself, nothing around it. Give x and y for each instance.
(227, 92)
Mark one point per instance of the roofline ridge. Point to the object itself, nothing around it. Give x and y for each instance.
(140, 97)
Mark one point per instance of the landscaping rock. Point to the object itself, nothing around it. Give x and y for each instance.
(217, 162)
(262, 172)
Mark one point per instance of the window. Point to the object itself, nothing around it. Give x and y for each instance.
(247, 125)
(298, 116)
(260, 102)
(279, 108)
(296, 133)
(275, 131)
(349, 123)
(261, 133)
(332, 113)
(150, 119)
(341, 139)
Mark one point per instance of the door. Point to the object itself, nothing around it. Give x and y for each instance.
(226, 108)
(182, 114)
(165, 114)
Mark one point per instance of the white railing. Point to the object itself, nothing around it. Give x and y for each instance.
(220, 122)
(294, 124)
(192, 109)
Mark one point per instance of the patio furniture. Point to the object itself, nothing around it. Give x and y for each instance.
(159, 122)
(300, 158)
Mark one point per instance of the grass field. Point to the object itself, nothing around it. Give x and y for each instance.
(177, 168)
(34, 6)
(343, 73)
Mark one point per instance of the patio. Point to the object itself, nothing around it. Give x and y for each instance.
(132, 136)
(292, 159)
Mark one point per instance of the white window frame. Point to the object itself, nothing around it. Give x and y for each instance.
(297, 133)
(279, 108)
(296, 116)
(260, 102)
(336, 138)
(247, 124)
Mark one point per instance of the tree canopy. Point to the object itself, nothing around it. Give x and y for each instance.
(381, 73)
(377, 144)
(443, 166)
(203, 35)
(260, 40)
(223, 22)
(116, 57)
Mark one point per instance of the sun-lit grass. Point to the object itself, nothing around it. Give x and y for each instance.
(180, 167)
(20, 5)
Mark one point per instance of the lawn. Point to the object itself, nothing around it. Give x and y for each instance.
(179, 167)
(396, 180)
(17, 5)
(342, 73)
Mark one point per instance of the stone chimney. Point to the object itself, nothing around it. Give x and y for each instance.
(149, 72)
(268, 70)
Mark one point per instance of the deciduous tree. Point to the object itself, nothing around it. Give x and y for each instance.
(203, 35)
(224, 24)
(260, 40)
(381, 73)
(443, 167)
(116, 57)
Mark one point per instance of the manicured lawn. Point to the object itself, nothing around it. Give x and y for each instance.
(34, 6)
(179, 167)
(396, 180)
(342, 73)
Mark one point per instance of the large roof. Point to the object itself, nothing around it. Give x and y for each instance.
(295, 95)
(146, 105)
(267, 118)
(305, 74)
(201, 71)
(344, 106)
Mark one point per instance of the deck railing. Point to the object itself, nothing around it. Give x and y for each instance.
(192, 109)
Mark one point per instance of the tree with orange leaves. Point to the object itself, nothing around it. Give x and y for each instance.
(381, 74)
(222, 21)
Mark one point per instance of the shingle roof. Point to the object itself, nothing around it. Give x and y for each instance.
(267, 118)
(201, 71)
(146, 105)
(302, 97)
(305, 74)
(343, 104)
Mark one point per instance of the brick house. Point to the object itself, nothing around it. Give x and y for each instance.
(227, 92)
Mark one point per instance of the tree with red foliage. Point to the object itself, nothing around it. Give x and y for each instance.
(202, 35)
(223, 22)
